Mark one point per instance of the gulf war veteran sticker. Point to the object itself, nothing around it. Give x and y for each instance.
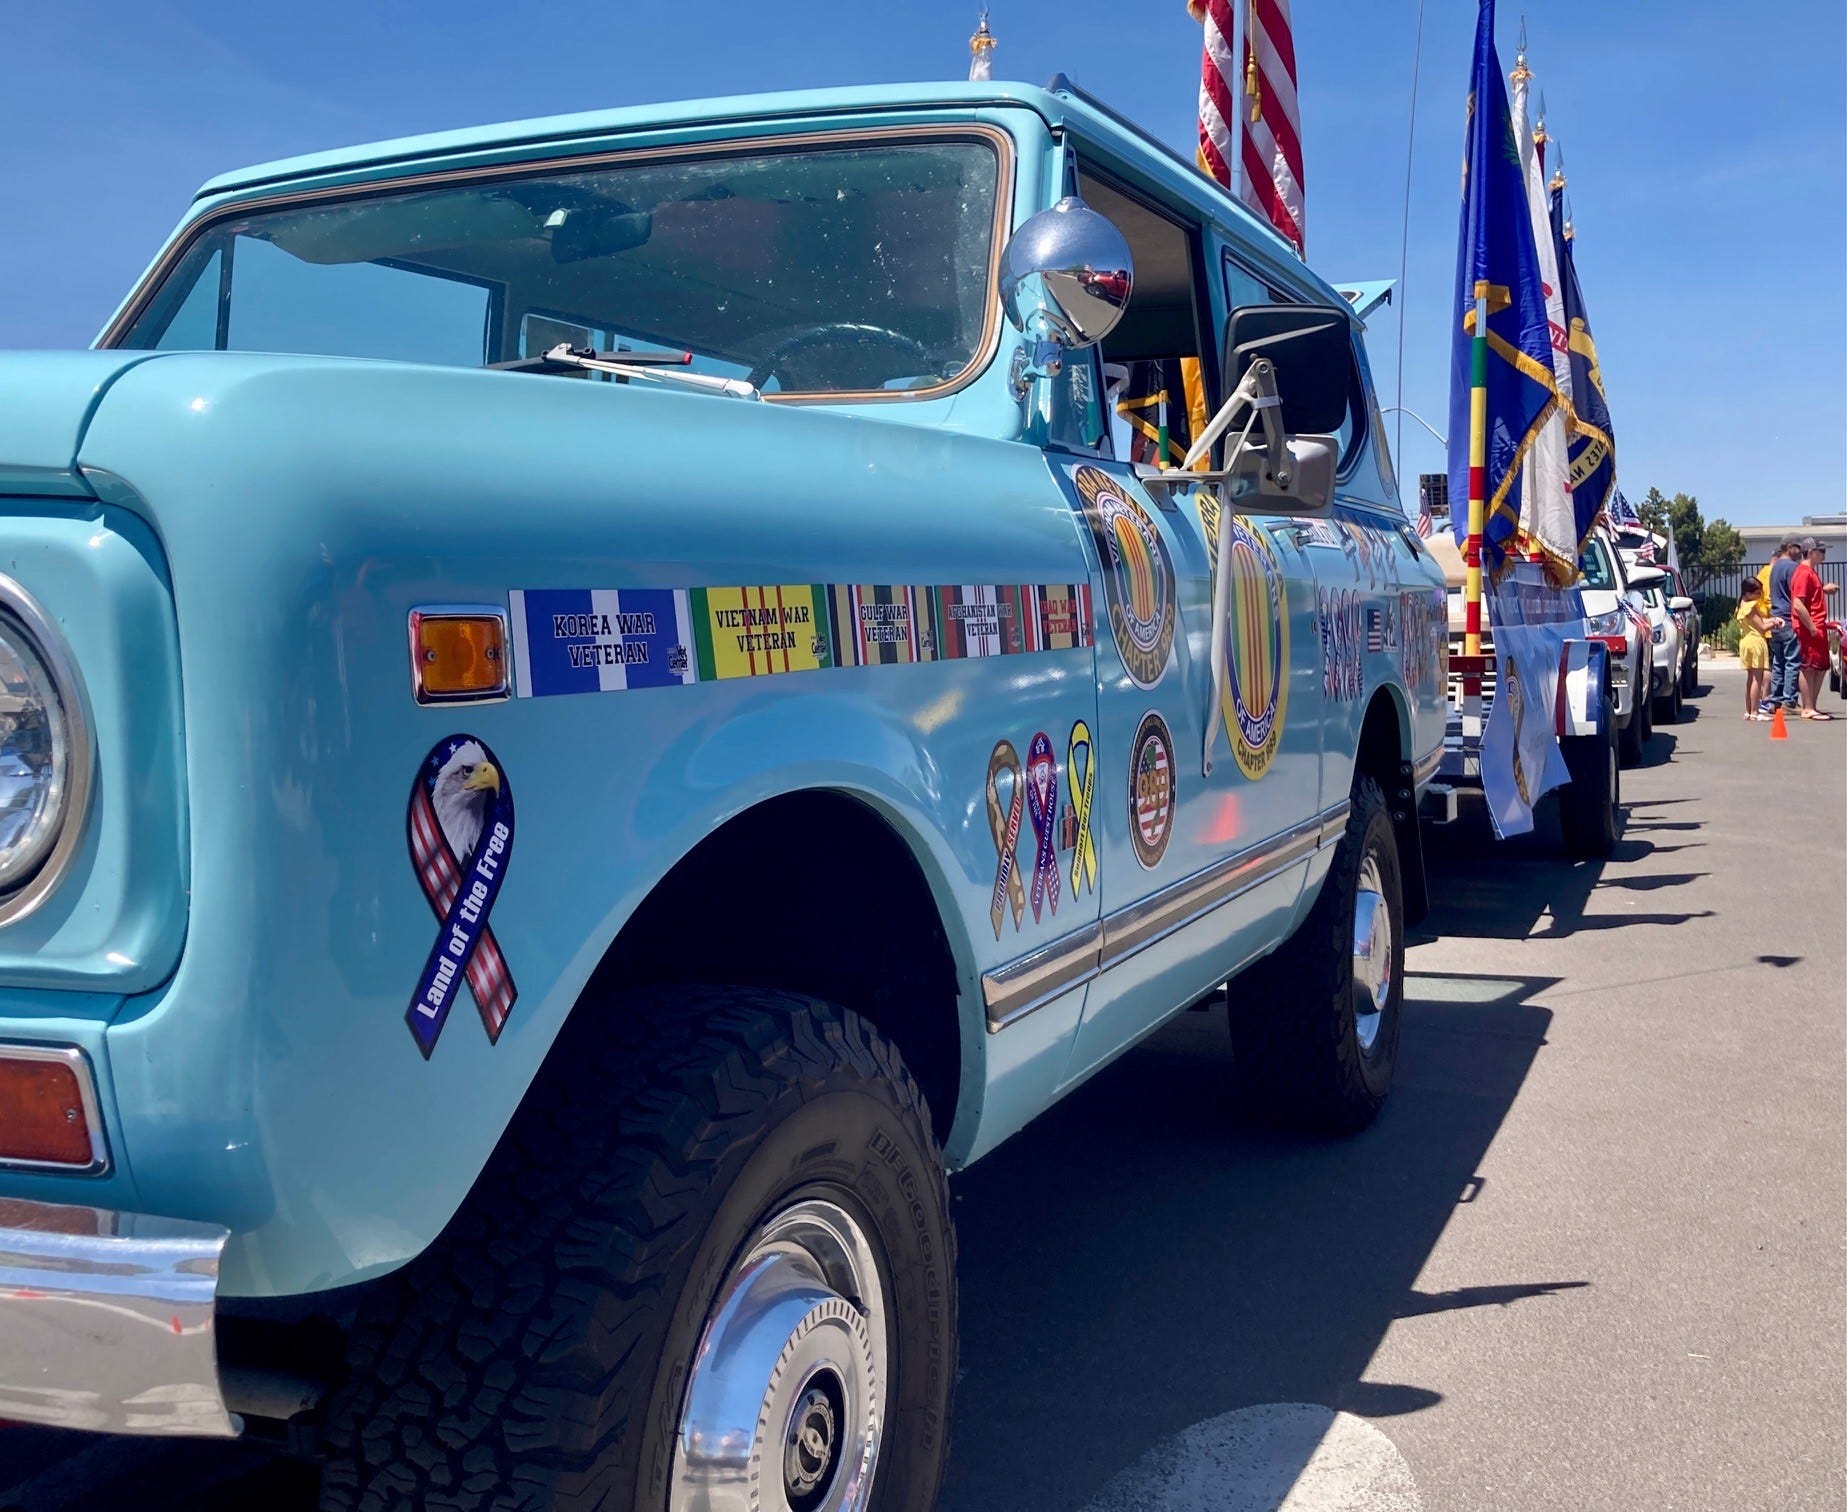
(599, 640)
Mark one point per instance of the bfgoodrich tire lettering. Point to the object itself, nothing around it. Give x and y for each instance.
(537, 1356)
(1301, 1056)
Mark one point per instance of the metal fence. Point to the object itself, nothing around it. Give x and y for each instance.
(1727, 584)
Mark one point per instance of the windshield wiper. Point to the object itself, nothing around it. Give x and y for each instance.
(649, 367)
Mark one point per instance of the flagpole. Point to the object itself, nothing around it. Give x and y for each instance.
(1478, 473)
(1239, 36)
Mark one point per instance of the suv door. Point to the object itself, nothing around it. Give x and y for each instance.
(1199, 872)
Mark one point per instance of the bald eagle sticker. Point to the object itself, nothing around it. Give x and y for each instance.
(461, 837)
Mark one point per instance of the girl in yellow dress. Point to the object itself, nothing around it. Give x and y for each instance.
(1755, 622)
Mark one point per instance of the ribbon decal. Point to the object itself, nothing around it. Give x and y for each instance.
(1005, 828)
(461, 837)
(1081, 787)
(1042, 802)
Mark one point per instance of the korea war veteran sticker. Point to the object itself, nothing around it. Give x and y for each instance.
(461, 837)
(1138, 575)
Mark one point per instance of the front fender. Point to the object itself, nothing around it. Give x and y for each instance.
(305, 507)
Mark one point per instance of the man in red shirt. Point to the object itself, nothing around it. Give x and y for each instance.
(1808, 601)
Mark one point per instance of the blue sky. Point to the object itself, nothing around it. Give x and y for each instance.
(1703, 140)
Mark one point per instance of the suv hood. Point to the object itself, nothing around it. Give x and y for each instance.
(47, 400)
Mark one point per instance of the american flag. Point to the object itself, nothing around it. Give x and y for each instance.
(1248, 113)
(1424, 523)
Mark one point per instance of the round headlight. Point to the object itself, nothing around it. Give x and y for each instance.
(35, 756)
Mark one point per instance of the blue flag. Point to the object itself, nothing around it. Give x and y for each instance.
(1593, 440)
(1496, 253)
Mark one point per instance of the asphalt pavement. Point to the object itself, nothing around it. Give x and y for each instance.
(1592, 1255)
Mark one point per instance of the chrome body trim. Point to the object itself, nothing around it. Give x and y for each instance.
(1426, 766)
(1012, 991)
(79, 1063)
(50, 645)
(460, 611)
(107, 1321)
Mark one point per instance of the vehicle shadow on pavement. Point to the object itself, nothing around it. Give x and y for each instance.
(1525, 887)
(1138, 1261)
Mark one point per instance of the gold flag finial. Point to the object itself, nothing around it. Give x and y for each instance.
(1557, 182)
(981, 50)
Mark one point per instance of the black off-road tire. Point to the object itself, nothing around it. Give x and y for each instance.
(1297, 1058)
(1588, 805)
(536, 1356)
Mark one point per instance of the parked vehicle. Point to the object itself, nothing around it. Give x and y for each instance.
(733, 483)
(1687, 617)
(1613, 612)
(1666, 636)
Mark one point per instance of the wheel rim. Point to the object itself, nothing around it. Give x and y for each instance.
(785, 1405)
(1372, 954)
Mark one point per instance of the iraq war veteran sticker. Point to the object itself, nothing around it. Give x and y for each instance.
(1138, 576)
(461, 837)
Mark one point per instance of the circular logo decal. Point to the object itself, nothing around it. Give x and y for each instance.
(1151, 790)
(1138, 577)
(1257, 653)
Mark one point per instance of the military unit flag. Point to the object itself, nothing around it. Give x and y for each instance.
(1593, 438)
(1503, 388)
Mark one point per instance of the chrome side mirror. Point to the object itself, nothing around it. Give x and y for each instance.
(1065, 279)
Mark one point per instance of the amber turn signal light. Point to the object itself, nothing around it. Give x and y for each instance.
(44, 1115)
(458, 654)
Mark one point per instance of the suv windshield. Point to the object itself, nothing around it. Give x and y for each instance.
(1594, 563)
(827, 270)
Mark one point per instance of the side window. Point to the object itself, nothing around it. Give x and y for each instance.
(1160, 380)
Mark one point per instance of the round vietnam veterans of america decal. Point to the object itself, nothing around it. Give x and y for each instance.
(1138, 576)
(1257, 654)
(461, 837)
(1151, 790)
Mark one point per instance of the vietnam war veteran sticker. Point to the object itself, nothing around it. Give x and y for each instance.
(461, 836)
(1138, 576)
(598, 640)
(753, 632)
(1256, 695)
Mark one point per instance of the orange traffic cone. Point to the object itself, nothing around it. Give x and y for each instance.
(1778, 729)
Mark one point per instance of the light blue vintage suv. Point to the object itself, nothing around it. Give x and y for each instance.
(590, 706)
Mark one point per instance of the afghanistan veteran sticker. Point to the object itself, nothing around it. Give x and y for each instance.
(599, 640)
(1257, 654)
(1138, 576)
(1151, 790)
(461, 837)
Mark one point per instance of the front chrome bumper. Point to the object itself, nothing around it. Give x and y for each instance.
(107, 1321)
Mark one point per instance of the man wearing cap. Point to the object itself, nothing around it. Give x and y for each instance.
(1808, 598)
(1785, 654)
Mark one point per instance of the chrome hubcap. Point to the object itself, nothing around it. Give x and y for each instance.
(785, 1405)
(1372, 954)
